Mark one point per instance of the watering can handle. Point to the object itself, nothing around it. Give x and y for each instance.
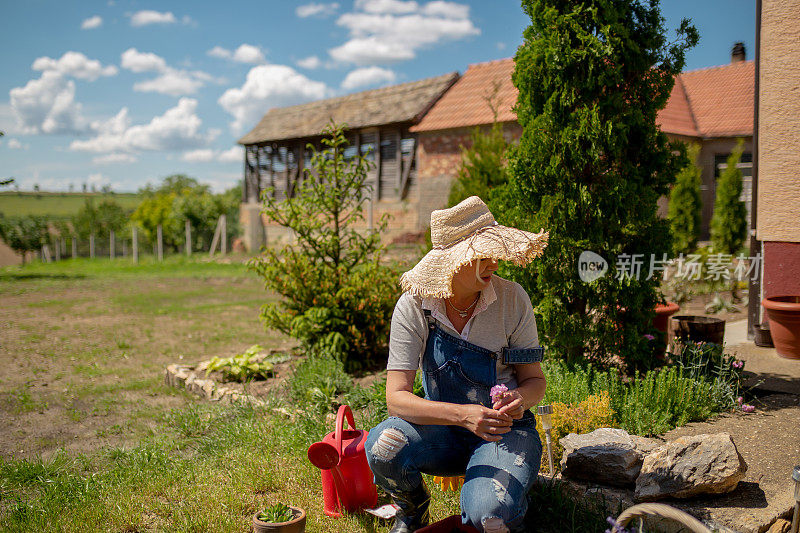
(344, 410)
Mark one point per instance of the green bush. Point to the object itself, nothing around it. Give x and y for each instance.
(318, 381)
(590, 167)
(729, 223)
(246, 366)
(24, 234)
(337, 296)
(100, 219)
(483, 168)
(685, 205)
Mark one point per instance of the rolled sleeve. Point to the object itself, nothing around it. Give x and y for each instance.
(408, 335)
(525, 335)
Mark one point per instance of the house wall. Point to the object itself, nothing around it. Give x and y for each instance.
(438, 161)
(778, 222)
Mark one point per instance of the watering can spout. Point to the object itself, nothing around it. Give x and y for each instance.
(347, 481)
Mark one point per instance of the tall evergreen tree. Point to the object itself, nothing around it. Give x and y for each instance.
(684, 212)
(590, 166)
(729, 223)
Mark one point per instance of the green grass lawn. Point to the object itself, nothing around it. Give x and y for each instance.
(94, 440)
(58, 204)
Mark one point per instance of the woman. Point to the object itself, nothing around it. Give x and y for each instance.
(468, 330)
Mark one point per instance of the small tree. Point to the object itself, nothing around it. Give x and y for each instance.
(684, 213)
(100, 219)
(590, 167)
(336, 297)
(24, 234)
(729, 223)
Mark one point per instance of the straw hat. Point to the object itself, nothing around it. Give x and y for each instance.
(462, 234)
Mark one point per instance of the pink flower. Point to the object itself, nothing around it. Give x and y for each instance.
(738, 364)
(649, 337)
(747, 408)
(739, 400)
(497, 392)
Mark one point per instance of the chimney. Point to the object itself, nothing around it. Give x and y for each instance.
(738, 54)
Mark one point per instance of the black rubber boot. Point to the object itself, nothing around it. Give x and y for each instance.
(413, 513)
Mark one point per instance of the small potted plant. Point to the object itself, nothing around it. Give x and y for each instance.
(280, 518)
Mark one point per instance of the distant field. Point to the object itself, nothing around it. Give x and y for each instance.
(57, 204)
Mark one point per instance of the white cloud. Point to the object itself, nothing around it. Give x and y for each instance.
(220, 52)
(310, 62)
(246, 53)
(368, 76)
(315, 9)
(74, 64)
(177, 129)
(171, 81)
(97, 179)
(268, 86)
(47, 105)
(385, 31)
(233, 155)
(113, 158)
(201, 155)
(205, 155)
(137, 61)
(147, 16)
(14, 144)
(396, 7)
(92, 23)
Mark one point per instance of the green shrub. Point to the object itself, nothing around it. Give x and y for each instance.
(24, 234)
(684, 212)
(590, 167)
(729, 223)
(318, 381)
(709, 362)
(483, 166)
(337, 297)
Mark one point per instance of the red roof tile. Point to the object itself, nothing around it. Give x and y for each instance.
(712, 102)
(465, 103)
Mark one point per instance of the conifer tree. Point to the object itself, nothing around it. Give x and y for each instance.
(729, 223)
(684, 212)
(590, 167)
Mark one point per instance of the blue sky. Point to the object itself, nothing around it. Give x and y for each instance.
(125, 92)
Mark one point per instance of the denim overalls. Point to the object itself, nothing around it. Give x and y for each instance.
(497, 475)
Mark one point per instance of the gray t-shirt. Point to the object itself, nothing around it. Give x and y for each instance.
(503, 318)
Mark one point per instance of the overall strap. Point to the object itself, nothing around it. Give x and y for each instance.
(429, 318)
(519, 356)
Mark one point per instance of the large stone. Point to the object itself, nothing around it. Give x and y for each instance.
(688, 466)
(606, 455)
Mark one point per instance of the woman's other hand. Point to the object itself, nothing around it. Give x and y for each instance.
(511, 404)
(486, 423)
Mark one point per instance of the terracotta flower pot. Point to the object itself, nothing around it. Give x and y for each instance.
(295, 525)
(784, 324)
(663, 312)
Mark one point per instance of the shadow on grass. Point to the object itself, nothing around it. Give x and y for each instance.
(15, 276)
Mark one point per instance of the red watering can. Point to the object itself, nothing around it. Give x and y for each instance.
(346, 477)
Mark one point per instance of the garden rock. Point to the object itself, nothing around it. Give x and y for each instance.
(606, 455)
(688, 466)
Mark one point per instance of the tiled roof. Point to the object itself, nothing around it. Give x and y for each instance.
(465, 104)
(406, 102)
(712, 102)
(721, 99)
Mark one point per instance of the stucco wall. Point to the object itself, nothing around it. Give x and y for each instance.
(779, 122)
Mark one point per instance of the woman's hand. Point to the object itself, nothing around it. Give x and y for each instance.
(511, 404)
(486, 423)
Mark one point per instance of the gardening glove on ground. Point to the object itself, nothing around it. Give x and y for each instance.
(413, 513)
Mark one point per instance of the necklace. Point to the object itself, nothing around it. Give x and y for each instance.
(464, 312)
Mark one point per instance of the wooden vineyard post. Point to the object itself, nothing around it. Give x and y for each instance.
(74, 246)
(112, 244)
(215, 238)
(188, 238)
(57, 246)
(223, 233)
(91, 245)
(135, 243)
(160, 243)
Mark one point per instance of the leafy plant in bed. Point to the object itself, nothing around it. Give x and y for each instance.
(251, 364)
(280, 518)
